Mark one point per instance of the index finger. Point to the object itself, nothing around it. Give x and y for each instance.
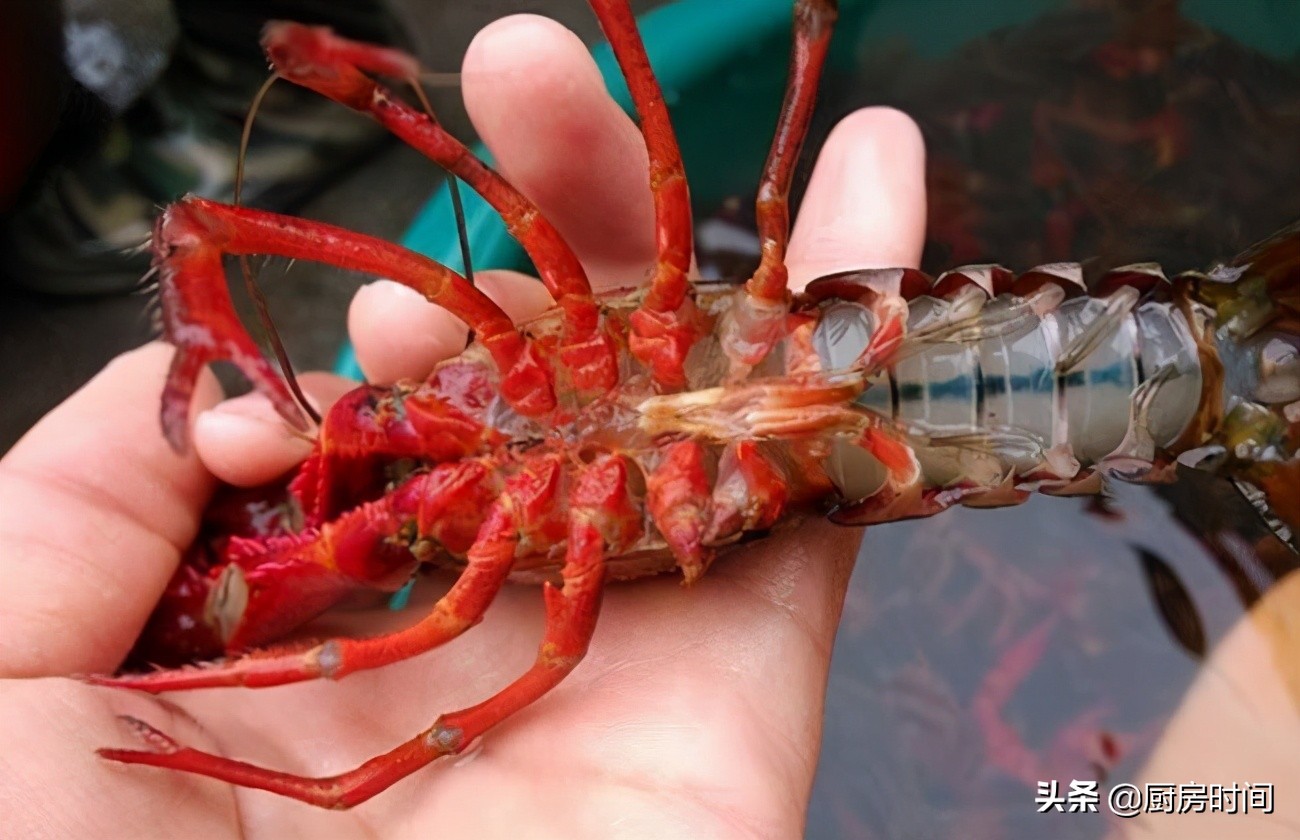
(538, 101)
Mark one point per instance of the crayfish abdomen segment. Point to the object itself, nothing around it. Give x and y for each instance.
(1005, 384)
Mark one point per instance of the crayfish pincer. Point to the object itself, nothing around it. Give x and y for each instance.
(640, 430)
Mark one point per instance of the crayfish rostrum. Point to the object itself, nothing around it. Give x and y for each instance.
(645, 429)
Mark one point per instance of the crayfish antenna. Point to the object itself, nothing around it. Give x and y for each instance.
(250, 281)
(453, 189)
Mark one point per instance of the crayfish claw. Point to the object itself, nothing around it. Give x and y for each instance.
(199, 318)
(181, 377)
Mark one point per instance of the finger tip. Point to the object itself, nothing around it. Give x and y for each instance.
(520, 43)
(535, 95)
(397, 334)
(520, 60)
(522, 297)
(891, 143)
(884, 123)
(323, 389)
(242, 442)
(865, 204)
(533, 92)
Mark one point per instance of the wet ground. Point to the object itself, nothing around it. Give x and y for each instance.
(980, 652)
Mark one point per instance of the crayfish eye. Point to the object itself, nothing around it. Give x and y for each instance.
(842, 334)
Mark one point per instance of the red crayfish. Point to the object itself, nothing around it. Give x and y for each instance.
(646, 429)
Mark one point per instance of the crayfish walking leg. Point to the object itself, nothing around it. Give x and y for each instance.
(601, 522)
(753, 324)
(667, 323)
(316, 58)
(525, 507)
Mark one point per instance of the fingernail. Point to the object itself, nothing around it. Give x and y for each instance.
(394, 289)
(233, 420)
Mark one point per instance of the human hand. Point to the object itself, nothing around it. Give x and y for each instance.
(1237, 724)
(697, 711)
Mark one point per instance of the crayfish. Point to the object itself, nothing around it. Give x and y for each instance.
(649, 428)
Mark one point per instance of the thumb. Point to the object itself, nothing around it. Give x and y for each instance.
(95, 509)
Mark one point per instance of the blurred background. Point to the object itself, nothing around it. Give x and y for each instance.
(980, 651)
(129, 104)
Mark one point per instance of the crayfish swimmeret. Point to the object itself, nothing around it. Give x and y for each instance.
(644, 430)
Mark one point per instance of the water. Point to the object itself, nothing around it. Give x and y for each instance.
(1051, 598)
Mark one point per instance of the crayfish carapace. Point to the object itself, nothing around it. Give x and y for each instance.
(645, 430)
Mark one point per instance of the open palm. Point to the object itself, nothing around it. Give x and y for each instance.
(696, 713)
